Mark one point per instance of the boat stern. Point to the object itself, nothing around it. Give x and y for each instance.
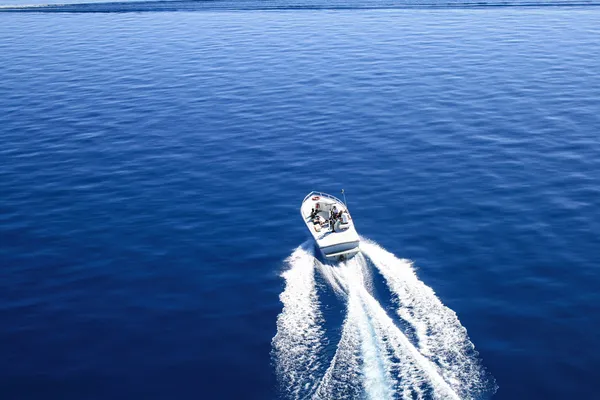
(340, 251)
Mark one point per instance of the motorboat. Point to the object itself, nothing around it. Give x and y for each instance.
(330, 224)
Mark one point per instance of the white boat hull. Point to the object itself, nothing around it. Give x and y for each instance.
(336, 241)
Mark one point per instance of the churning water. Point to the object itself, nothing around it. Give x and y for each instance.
(375, 357)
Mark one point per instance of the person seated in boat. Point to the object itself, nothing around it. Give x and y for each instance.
(344, 219)
(313, 213)
(334, 213)
(318, 220)
(317, 223)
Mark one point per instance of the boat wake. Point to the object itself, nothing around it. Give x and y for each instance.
(415, 349)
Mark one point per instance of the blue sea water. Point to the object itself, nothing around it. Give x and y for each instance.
(152, 164)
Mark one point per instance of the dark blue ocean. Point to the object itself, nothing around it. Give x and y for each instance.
(153, 158)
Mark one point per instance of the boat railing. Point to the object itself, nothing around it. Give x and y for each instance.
(321, 194)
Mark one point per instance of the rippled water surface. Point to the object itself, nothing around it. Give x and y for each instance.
(152, 165)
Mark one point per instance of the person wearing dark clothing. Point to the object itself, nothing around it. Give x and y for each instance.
(332, 218)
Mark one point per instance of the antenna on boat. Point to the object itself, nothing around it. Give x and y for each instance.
(344, 193)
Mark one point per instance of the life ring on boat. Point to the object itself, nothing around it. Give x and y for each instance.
(315, 198)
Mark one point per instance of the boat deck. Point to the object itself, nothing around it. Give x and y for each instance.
(325, 237)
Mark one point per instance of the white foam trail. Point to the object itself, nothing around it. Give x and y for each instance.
(300, 339)
(374, 358)
(442, 340)
(372, 344)
(376, 365)
(412, 369)
(359, 353)
(343, 375)
(335, 280)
